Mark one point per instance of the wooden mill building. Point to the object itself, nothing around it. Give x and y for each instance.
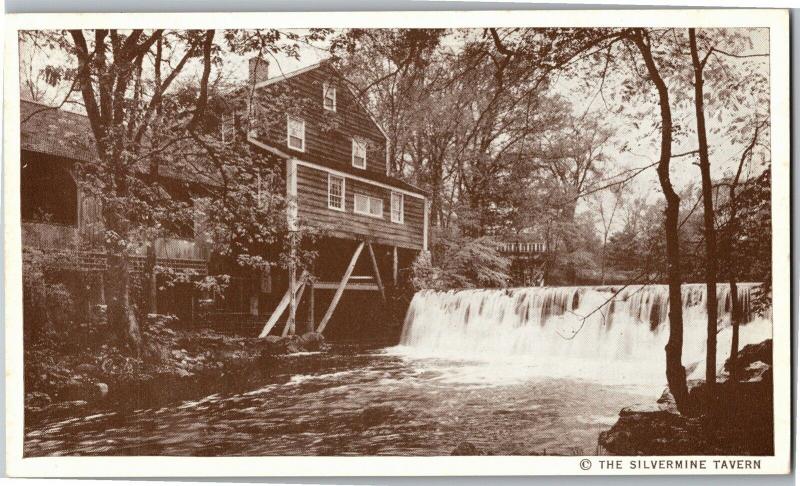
(333, 156)
(335, 160)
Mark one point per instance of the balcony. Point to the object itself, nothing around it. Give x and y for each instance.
(66, 238)
(521, 248)
(51, 236)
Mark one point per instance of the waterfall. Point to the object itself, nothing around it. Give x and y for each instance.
(580, 331)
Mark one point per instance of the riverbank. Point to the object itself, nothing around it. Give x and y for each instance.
(81, 372)
(740, 421)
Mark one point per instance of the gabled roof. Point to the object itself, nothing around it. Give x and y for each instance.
(323, 63)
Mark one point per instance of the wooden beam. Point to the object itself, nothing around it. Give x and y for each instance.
(369, 286)
(340, 289)
(278, 312)
(377, 271)
(394, 265)
(310, 316)
(290, 323)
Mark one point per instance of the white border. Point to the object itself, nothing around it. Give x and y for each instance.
(776, 20)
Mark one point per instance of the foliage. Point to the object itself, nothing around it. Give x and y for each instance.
(464, 262)
(48, 305)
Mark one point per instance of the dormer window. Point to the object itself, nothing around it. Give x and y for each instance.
(296, 133)
(328, 97)
(359, 153)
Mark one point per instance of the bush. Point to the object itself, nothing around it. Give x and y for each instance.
(459, 261)
(48, 304)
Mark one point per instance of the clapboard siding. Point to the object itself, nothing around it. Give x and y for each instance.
(328, 135)
(312, 210)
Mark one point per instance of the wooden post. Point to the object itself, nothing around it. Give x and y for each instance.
(394, 265)
(377, 271)
(291, 220)
(310, 317)
(292, 289)
(340, 289)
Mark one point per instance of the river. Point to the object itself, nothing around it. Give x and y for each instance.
(512, 372)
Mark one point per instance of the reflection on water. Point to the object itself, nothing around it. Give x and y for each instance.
(378, 404)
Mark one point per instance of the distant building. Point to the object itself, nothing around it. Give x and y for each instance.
(527, 256)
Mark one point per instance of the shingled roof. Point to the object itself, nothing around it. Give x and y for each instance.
(54, 131)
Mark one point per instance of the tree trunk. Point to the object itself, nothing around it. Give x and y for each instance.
(676, 373)
(709, 232)
(121, 316)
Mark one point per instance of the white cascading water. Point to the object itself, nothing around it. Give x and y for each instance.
(578, 332)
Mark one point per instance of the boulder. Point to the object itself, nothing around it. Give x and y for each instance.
(102, 389)
(756, 371)
(312, 341)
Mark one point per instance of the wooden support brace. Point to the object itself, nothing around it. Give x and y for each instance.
(310, 316)
(377, 271)
(277, 313)
(394, 266)
(289, 324)
(340, 290)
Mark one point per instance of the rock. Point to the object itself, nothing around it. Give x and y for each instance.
(640, 408)
(86, 368)
(312, 341)
(756, 371)
(272, 339)
(467, 449)
(102, 389)
(182, 372)
(37, 399)
(666, 402)
(294, 346)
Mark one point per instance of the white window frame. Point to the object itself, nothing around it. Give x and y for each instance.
(397, 196)
(370, 201)
(325, 89)
(359, 143)
(331, 178)
(289, 119)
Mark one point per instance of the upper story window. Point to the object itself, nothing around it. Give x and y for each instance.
(335, 192)
(397, 207)
(367, 205)
(296, 133)
(328, 97)
(359, 153)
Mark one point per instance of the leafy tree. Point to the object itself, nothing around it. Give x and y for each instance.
(149, 98)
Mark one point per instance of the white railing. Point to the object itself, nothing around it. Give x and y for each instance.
(522, 247)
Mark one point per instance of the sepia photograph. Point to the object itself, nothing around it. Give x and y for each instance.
(489, 239)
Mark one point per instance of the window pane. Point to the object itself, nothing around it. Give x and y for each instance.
(376, 206)
(361, 204)
(296, 133)
(329, 97)
(397, 207)
(335, 192)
